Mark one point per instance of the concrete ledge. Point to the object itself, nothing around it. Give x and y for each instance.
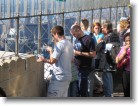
(21, 76)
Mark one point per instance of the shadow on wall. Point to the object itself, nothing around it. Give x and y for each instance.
(2, 93)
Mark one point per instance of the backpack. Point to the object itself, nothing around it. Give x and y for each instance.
(113, 41)
(107, 52)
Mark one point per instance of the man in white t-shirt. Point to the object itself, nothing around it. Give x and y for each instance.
(61, 58)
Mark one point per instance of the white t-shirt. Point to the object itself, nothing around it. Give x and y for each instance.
(63, 53)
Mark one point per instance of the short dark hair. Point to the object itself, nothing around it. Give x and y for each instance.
(75, 27)
(125, 35)
(58, 29)
(85, 23)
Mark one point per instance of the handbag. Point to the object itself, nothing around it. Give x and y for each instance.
(123, 62)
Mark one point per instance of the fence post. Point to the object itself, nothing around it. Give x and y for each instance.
(39, 33)
(17, 35)
(100, 15)
(63, 19)
(17, 29)
(110, 14)
(92, 21)
(39, 26)
(80, 16)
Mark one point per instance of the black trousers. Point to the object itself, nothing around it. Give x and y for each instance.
(126, 83)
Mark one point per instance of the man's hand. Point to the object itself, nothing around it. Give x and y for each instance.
(76, 53)
(41, 59)
(49, 49)
(125, 49)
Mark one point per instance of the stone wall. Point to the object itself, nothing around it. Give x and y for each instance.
(21, 76)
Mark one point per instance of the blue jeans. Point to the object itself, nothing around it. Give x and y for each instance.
(58, 88)
(73, 89)
(85, 82)
(108, 84)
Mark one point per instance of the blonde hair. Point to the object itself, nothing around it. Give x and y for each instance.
(124, 24)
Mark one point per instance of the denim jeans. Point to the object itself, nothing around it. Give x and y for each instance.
(108, 83)
(85, 82)
(58, 88)
(73, 89)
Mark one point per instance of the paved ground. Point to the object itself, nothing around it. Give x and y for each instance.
(117, 85)
(115, 94)
(118, 92)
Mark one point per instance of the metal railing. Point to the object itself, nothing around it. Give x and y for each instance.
(25, 24)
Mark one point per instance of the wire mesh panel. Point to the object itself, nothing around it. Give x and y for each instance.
(96, 15)
(120, 13)
(28, 32)
(87, 15)
(127, 11)
(105, 15)
(25, 24)
(70, 19)
(113, 17)
(8, 35)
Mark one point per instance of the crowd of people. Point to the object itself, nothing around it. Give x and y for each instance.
(83, 66)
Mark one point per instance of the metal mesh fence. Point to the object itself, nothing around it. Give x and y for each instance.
(25, 26)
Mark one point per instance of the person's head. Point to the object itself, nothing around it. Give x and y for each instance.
(128, 26)
(84, 24)
(76, 31)
(123, 25)
(57, 32)
(106, 27)
(96, 28)
(127, 39)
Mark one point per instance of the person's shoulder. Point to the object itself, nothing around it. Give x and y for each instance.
(113, 34)
(68, 42)
(123, 47)
(60, 44)
(101, 34)
(86, 37)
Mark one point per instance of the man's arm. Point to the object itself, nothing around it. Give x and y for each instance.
(90, 44)
(51, 60)
(86, 54)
